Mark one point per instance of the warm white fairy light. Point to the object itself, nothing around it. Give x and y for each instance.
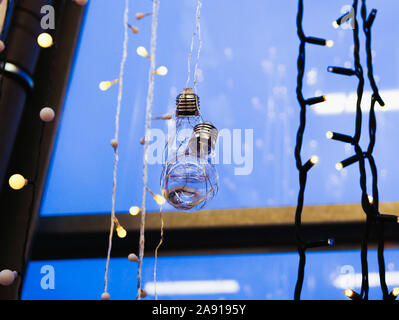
(141, 15)
(17, 181)
(142, 52)
(162, 71)
(105, 85)
(47, 114)
(132, 257)
(163, 117)
(121, 232)
(105, 296)
(329, 43)
(114, 143)
(134, 211)
(314, 159)
(158, 198)
(45, 40)
(80, 2)
(134, 29)
(7, 277)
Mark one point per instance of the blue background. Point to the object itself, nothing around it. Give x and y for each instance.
(260, 276)
(248, 63)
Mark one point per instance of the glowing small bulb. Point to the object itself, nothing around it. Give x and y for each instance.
(47, 114)
(329, 43)
(349, 293)
(339, 166)
(371, 200)
(121, 231)
(105, 296)
(395, 291)
(45, 40)
(17, 182)
(159, 199)
(141, 51)
(105, 85)
(134, 211)
(329, 134)
(162, 71)
(335, 24)
(314, 159)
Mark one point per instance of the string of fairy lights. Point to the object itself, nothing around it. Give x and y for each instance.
(18, 181)
(105, 85)
(302, 243)
(369, 202)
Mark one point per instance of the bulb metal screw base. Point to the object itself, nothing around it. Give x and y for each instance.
(187, 104)
(204, 138)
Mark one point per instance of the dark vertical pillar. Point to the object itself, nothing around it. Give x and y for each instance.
(20, 125)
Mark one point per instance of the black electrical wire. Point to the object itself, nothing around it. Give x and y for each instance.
(367, 24)
(370, 207)
(303, 169)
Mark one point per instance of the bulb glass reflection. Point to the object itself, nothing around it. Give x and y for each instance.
(189, 179)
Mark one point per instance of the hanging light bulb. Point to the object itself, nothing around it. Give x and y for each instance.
(105, 85)
(189, 179)
(45, 40)
(162, 71)
(141, 51)
(17, 181)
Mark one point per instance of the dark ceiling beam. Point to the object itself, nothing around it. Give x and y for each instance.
(20, 125)
(204, 232)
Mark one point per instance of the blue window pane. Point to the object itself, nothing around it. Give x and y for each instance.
(269, 276)
(247, 81)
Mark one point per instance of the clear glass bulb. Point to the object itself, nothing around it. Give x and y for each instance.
(189, 178)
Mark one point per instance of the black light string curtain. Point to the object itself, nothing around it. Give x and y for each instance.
(303, 169)
(370, 205)
(367, 25)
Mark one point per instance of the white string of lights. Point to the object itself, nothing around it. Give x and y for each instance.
(148, 118)
(18, 181)
(114, 143)
(198, 26)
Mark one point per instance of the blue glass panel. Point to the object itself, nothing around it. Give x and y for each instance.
(247, 81)
(234, 276)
